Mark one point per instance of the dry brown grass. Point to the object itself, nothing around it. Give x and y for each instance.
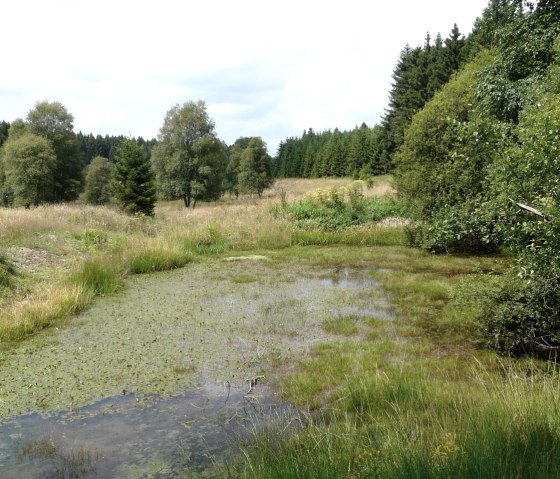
(296, 188)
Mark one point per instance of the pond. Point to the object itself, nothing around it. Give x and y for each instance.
(171, 373)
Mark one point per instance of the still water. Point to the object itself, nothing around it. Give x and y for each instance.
(167, 378)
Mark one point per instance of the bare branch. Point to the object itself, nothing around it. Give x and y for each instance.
(530, 209)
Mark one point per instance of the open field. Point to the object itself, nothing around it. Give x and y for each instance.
(401, 389)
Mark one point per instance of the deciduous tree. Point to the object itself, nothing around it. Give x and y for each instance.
(189, 160)
(97, 189)
(255, 168)
(52, 121)
(28, 163)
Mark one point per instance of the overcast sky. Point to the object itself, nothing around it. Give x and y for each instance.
(268, 69)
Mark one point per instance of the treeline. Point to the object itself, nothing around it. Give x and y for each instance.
(479, 169)
(331, 153)
(362, 152)
(42, 160)
(107, 146)
(91, 145)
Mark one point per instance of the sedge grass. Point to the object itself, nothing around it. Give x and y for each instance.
(417, 398)
(405, 397)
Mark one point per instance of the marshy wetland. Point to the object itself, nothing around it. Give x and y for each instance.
(135, 367)
(257, 347)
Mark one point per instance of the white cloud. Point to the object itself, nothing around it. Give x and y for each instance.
(267, 69)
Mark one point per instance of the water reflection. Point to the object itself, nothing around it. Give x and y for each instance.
(134, 436)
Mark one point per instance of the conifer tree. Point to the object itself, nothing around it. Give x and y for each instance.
(133, 184)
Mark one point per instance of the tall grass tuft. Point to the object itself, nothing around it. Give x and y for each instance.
(371, 235)
(149, 260)
(7, 272)
(100, 276)
(24, 318)
(408, 428)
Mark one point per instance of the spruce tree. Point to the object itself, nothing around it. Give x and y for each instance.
(133, 183)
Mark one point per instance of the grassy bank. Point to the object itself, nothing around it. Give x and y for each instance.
(413, 395)
(55, 259)
(408, 394)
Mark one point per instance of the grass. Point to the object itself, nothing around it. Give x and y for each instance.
(96, 247)
(7, 272)
(408, 395)
(62, 464)
(413, 396)
(342, 325)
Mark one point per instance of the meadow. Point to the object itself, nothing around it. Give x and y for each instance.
(409, 394)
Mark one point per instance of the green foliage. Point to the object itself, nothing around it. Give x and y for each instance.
(98, 276)
(97, 189)
(133, 183)
(28, 165)
(94, 238)
(107, 146)
(465, 228)
(255, 168)
(189, 160)
(53, 122)
(4, 128)
(151, 260)
(488, 142)
(7, 271)
(350, 153)
(443, 158)
(231, 177)
(339, 208)
(420, 73)
(212, 241)
(523, 317)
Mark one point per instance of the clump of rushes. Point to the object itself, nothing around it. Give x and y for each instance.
(100, 276)
(148, 260)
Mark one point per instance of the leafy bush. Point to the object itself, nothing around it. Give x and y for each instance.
(459, 229)
(523, 317)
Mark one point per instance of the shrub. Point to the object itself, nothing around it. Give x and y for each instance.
(522, 316)
(339, 208)
(458, 229)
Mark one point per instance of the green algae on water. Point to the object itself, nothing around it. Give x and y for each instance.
(167, 332)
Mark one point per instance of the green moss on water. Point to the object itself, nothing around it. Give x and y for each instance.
(167, 332)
